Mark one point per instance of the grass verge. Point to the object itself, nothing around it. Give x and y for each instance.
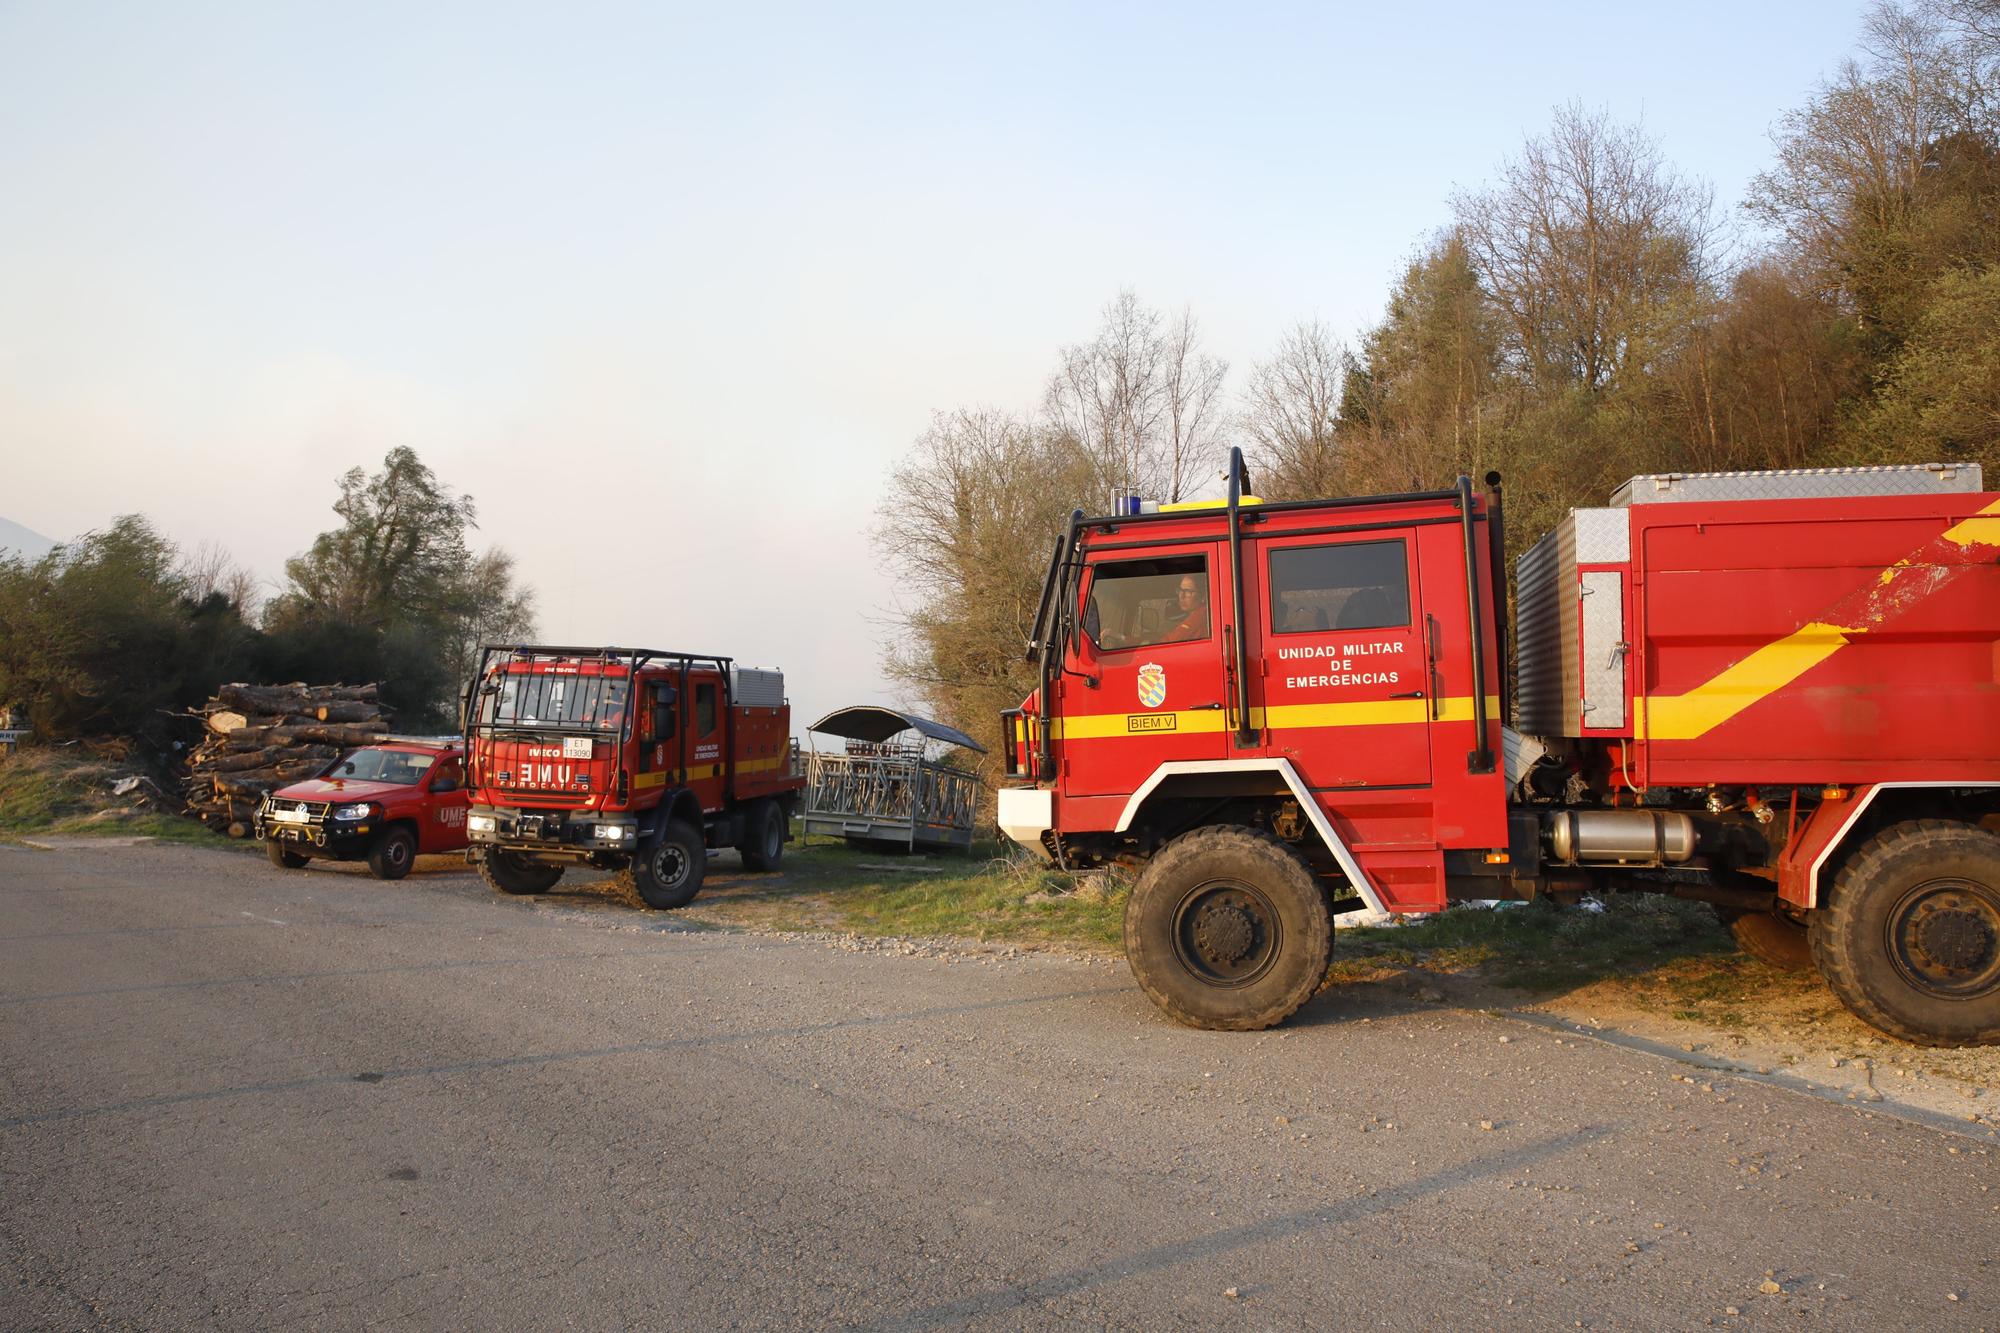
(62, 794)
(985, 895)
(1660, 954)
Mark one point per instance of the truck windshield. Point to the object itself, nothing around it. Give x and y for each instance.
(392, 766)
(541, 699)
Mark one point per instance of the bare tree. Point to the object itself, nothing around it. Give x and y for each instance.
(1590, 246)
(1291, 414)
(1142, 399)
(209, 569)
(1884, 179)
(1192, 381)
(967, 521)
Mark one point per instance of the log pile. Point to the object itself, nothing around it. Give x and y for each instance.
(256, 737)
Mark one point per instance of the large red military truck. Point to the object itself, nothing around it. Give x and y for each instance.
(627, 759)
(1776, 692)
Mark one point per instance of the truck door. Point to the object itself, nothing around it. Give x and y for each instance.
(1340, 657)
(706, 760)
(1150, 637)
(444, 820)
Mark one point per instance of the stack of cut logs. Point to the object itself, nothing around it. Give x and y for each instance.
(264, 736)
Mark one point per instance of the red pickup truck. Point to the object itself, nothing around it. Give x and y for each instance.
(386, 804)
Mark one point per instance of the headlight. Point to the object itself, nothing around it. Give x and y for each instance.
(352, 811)
(614, 832)
(481, 823)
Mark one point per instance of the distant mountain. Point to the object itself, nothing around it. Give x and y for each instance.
(17, 540)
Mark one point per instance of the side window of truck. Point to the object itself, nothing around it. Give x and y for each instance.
(1355, 585)
(704, 709)
(1136, 603)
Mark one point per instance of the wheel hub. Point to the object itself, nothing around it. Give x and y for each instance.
(1955, 939)
(1224, 933)
(1944, 937)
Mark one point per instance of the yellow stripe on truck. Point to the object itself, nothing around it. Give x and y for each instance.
(1683, 717)
(1982, 529)
(1279, 717)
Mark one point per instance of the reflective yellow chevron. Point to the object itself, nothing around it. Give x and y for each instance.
(1682, 717)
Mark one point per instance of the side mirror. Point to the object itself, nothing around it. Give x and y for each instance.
(665, 721)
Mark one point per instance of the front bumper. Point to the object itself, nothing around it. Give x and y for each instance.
(337, 840)
(1026, 813)
(562, 834)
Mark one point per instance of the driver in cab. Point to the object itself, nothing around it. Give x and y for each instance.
(1189, 620)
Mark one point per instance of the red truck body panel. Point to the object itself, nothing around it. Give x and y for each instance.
(1838, 640)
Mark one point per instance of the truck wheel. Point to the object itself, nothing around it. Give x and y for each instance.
(668, 874)
(1908, 935)
(1228, 928)
(395, 850)
(283, 857)
(764, 846)
(510, 872)
(1769, 938)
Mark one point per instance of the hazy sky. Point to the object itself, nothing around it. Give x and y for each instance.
(668, 288)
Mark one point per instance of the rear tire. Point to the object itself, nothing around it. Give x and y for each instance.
(508, 872)
(1908, 934)
(668, 873)
(283, 857)
(1228, 929)
(763, 846)
(394, 852)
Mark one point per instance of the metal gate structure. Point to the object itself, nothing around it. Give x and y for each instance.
(883, 787)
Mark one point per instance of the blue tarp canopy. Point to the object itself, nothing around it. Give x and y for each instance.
(872, 722)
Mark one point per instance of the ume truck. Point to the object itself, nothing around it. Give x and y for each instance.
(624, 759)
(1778, 692)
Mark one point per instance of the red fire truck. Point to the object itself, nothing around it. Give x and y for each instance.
(624, 759)
(1776, 692)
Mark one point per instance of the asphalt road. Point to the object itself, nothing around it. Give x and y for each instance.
(234, 1097)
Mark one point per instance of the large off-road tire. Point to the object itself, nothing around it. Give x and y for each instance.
(763, 845)
(1769, 938)
(282, 856)
(1908, 934)
(668, 873)
(1228, 928)
(394, 852)
(510, 873)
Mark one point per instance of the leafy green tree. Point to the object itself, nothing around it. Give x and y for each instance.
(1939, 398)
(395, 593)
(105, 635)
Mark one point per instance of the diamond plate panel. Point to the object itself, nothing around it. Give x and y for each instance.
(1603, 536)
(1802, 483)
(1602, 596)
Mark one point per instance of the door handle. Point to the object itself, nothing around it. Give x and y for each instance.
(1205, 708)
(1408, 694)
